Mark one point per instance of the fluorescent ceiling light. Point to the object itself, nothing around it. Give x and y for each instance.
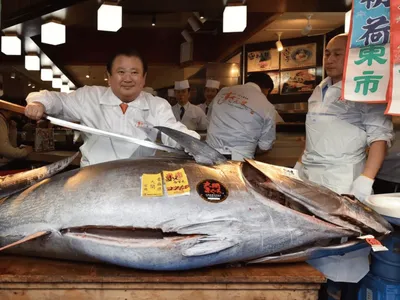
(65, 88)
(53, 33)
(46, 74)
(235, 18)
(109, 17)
(347, 20)
(57, 83)
(10, 45)
(32, 62)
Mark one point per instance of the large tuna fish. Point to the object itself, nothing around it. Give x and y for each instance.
(235, 212)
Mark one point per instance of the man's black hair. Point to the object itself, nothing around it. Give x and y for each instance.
(126, 52)
(263, 80)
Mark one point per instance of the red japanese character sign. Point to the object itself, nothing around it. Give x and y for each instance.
(212, 190)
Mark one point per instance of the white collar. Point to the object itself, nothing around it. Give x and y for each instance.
(328, 82)
(109, 98)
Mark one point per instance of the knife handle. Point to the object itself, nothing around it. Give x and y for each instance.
(12, 107)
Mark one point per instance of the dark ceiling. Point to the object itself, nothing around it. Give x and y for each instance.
(161, 44)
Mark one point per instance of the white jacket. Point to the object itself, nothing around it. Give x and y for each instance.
(98, 107)
(194, 117)
(242, 118)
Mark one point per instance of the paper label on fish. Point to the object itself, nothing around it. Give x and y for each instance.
(176, 183)
(151, 185)
(374, 243)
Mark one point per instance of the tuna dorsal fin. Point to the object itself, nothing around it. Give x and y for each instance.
(14, 183)
(26, 239)
(202, 153)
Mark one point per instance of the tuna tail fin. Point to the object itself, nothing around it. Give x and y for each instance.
(26, 239)
(14, 183)
(202, 153)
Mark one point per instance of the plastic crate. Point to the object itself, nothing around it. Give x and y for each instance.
(374, 288)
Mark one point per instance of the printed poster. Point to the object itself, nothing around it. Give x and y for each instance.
(301, 56)
(265, 60)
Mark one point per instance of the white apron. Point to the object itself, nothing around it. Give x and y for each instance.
(335, 157)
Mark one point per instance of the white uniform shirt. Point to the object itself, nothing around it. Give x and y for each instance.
(194, 117)
(368, 117)
(204, 106)
(242, 118)
(98, 107)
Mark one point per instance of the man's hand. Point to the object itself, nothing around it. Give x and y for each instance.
(362, 187)
(35, 110)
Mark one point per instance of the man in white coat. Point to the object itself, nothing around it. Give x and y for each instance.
(171, 97)
(191, 115)
(210, 91)
(121, 108)
(242, 120)
(338, 133)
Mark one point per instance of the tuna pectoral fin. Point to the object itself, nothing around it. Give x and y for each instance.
(26, 239)
(12, 184)
(209, 245)
(202, 153)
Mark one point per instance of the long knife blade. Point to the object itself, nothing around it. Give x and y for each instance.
(96, 131)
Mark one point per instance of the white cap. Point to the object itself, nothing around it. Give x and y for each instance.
(150, 90)
(171, 93)
(182, 85)
(213, 84)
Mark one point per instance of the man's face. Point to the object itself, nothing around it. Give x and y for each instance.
(209, 94)
(182, 96)
(334, 57)
(127, 77)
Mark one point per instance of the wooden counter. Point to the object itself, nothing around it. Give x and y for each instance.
(33, 278)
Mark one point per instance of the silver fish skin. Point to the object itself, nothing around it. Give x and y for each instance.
(97, 213)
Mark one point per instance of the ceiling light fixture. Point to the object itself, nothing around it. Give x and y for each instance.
(12, 75)
(11, 45)
(109, 17)
(32, 62)
(187, 36)
(279, 45)
(29, 84)
(57, 83)
(33, 86)
(235, 18)
(65, 88)
(46, 74)
(53, 33)
(306, 30)
(194, 24)
(153, 21)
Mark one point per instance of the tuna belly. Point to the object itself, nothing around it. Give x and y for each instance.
(149, 249)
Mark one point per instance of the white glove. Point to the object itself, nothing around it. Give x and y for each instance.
(362, 187)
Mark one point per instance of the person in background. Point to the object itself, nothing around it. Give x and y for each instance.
(338, 133)
(388, 178)
(10, 153)
(121, 108)
(242, 120)
(149, 90)
(210, 91)
(190, 115)
(171, 97)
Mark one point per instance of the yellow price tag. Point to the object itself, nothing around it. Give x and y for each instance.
(152, 185)
(176, 182)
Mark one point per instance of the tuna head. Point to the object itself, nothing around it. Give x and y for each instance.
(321, 202)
